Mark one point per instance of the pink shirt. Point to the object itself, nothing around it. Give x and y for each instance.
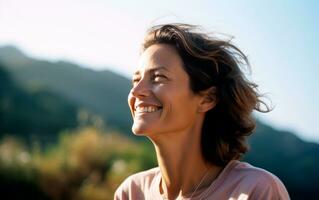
(237, 181)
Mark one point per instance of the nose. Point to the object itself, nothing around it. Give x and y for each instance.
(141, 89)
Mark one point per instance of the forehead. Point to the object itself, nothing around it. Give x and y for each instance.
(159, 57)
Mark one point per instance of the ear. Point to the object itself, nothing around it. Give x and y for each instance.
(209, 99)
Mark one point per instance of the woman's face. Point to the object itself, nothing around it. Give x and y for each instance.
(161, 100)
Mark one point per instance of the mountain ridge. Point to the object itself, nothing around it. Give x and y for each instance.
(82, 85)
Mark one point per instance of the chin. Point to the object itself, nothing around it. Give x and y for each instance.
(139, 131)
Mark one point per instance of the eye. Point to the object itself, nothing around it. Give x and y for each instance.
(135, 80)
(159, 78)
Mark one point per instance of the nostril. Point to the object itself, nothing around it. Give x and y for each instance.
(131, 91)
(139, 91)
(134, 92)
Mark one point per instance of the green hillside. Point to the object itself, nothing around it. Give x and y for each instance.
(39, 114)
(293, 160)
(101, 92)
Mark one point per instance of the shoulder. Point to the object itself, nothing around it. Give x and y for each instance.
(248, 171)
(134, 186)
(257, 182)
(255, 174)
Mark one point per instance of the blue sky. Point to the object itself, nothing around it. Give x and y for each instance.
(279, 37)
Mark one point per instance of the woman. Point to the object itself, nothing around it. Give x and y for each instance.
(192, 100)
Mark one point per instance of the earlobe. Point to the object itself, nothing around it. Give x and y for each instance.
(209, 99)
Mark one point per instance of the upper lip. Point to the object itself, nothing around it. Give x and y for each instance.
(145, 104)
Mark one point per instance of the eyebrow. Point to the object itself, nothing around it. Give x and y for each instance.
(153, 69)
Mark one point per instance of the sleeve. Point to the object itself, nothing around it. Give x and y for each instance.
(122, 192)
(130, 189)
(269, 188)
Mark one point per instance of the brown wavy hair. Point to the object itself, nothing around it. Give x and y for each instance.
(212, 62)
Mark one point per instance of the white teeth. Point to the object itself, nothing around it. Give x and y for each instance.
(147, 109)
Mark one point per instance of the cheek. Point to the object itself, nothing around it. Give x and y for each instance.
(177, 105)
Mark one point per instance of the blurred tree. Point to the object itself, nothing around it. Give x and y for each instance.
(85, 164)
(39, 114)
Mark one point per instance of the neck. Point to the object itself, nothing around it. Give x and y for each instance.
(179, 157)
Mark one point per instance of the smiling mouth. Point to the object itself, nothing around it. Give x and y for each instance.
(147, 109)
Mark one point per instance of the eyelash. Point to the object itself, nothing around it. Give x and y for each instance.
(158, 76)
(136, 80)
